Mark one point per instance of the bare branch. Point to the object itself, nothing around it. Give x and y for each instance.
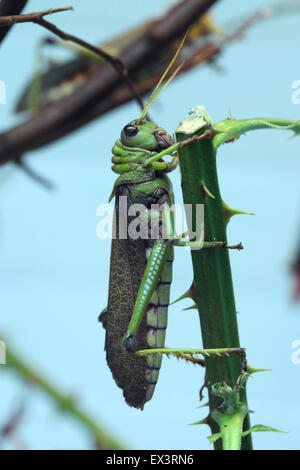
(38, 18)
(33, 175)
(13, 422)
(30, 17)
(10, 7)
(47, 126)
(115, 62)
(18, 365)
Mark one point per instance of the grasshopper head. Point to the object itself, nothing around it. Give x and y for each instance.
(145, 134)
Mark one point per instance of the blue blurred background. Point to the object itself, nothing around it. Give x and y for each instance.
(54, 271)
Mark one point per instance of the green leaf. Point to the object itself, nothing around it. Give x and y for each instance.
(261, 428)
(225, 130)
(214, 437)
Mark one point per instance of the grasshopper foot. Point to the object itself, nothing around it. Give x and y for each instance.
(130, 343)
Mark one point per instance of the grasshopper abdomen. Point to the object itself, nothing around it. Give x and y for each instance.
(137, 376)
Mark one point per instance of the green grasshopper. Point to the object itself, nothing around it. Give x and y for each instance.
(141, 269)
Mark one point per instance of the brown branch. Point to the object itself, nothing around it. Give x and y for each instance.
(104, 91)
(247, 24)
(13, 422)
(47, 125)
(115, 62)
(10, 7)
(122, 95)
(38, 18)
(33, 174)
(30, 17)
(203, 54)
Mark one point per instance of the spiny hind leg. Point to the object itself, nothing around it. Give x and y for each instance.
(192, 351)
(152, 273)
(189, 355)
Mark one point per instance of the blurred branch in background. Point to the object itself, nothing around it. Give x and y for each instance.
(101, 439)
(296, 271)
(60, 119)
(10, 7)
(71, 112)
(9, 431)
(38, 18)
(70, 95)
(30, 17)
(97, 88)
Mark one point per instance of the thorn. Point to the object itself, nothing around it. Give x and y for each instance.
(252, 370)
(232, 139)
(189, 358)
(205, 191)
(202, 421)
(187, 295)
(193, 307)
(231, 211)
(33, 175)
(205, 405)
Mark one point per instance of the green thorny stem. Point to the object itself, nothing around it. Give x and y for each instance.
(102, 439)
(212, 288)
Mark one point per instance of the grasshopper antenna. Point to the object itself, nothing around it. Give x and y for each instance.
(158, 89)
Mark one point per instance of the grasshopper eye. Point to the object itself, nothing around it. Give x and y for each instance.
(130, 130)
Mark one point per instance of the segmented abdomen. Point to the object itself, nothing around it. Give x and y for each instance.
(157, 320)
(136, 376)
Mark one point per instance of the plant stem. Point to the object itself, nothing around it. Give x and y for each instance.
(231, 428)
(103, 439)
(212, 288)
(236, 127)
(212, 283)
(231, 431)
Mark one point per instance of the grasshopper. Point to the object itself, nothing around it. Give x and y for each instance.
(141, 269)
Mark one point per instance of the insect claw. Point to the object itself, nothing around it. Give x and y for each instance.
(130, 343)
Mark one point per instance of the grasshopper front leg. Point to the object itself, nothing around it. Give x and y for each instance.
(155, 163)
